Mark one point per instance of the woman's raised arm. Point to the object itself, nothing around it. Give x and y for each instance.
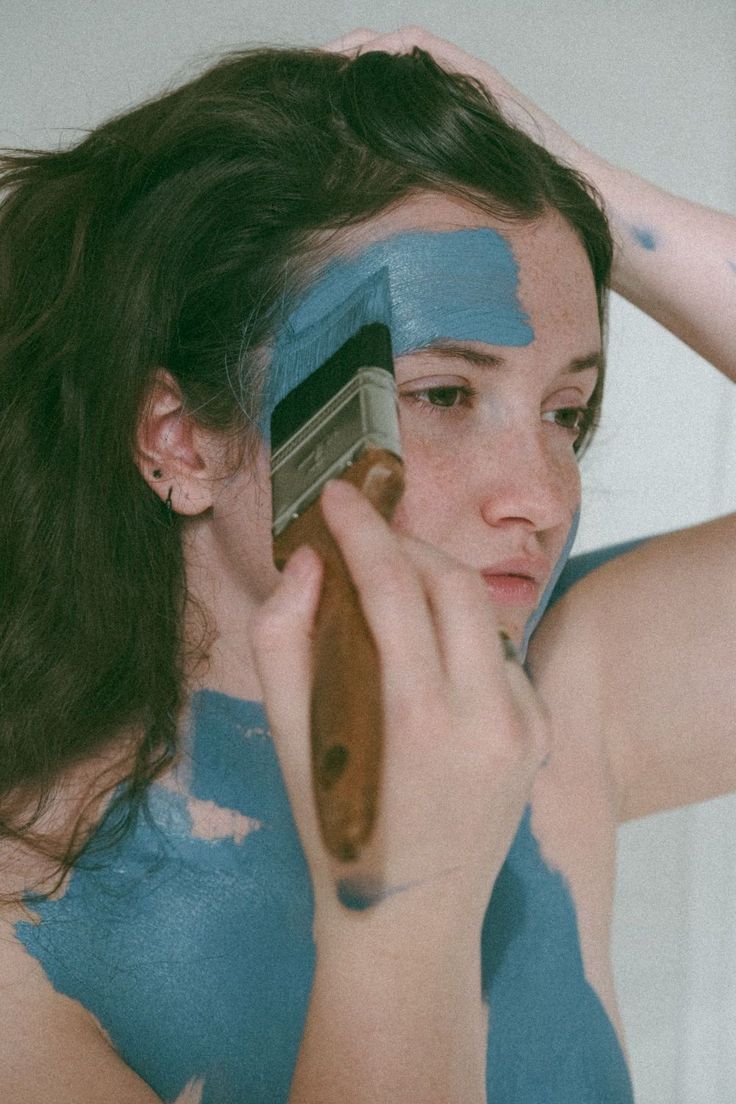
(674, 259)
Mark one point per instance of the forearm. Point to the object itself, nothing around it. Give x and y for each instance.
(674, 259)
(400, 1021)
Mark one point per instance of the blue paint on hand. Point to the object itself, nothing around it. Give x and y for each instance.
(644, 236)
(359, 894)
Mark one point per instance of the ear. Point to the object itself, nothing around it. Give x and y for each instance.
(176, 456)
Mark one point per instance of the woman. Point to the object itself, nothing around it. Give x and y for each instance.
(192, 953)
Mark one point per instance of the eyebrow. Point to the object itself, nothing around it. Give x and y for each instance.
(491, 360)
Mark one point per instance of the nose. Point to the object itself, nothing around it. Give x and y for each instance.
(529, 481)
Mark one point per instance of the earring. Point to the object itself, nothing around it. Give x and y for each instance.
(169, 507)
(156, 473)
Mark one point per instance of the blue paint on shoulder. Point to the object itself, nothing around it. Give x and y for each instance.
(644, 236)
(196, 956)
(580, 566)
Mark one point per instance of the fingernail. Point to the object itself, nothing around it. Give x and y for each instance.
(339, 489)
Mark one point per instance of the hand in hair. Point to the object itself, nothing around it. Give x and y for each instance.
(659, 237)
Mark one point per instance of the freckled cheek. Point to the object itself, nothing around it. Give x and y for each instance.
(436, 484)
(565, 473)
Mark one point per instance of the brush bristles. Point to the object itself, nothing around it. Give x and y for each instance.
(300, 352)
(369, 347)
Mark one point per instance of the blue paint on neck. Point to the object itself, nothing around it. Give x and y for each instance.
(450, 285)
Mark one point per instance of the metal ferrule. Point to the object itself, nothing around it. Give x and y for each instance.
(364, 414)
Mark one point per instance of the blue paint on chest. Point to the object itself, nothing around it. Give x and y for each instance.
(197, 956)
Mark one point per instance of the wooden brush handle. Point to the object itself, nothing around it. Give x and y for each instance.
(346, 711)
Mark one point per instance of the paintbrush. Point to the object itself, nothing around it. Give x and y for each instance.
(341, 421)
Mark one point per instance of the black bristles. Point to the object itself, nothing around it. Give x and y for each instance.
(370, 346)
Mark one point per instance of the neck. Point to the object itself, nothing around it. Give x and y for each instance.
(217, 622)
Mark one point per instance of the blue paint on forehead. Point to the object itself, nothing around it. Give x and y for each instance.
(441, 285)
(426, 286)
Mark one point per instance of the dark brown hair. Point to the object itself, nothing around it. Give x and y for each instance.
(170, 236)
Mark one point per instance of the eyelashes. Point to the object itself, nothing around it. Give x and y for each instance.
(569, 417)
(451, 399)
(441, 399)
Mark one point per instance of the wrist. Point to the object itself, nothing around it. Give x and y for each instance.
(402, 1012)
(437, 916)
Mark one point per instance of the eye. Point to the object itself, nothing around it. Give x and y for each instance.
(567, 417)
(443, 397)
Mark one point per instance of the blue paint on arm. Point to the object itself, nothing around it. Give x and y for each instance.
(644, 236)
(580, 566)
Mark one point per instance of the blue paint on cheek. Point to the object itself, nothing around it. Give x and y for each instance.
(644, 236)
(460, 285)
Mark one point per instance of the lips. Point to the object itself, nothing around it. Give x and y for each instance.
(516, 582)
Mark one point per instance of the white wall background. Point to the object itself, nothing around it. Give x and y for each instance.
(651, 86)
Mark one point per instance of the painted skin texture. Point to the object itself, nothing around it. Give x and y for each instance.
(192, 945)
(430, 298)
(196, 956)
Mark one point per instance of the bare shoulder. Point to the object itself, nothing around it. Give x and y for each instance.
(51, 1046)
(646, 643)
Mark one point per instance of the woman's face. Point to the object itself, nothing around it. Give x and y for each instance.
(488, 429)
(489, 410)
